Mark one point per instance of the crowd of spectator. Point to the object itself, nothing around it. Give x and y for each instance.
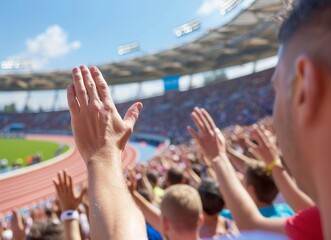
(239, 101)
(182, 166)
(222, 184)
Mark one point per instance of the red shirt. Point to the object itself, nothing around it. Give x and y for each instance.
(306, 224)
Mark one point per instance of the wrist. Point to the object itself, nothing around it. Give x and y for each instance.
(70, 207)
(221, 157)
(69, 215)
(272, 165)
(104, 159)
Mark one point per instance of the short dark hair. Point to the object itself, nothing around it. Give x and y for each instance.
(264, 185)
(302, 15)
(46, 231)
(175, 176)
(146, 194)
(48, 212)
(197, 169)
(152, 177)
(211, 198)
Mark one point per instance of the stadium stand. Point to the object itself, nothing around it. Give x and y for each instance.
(239, 101)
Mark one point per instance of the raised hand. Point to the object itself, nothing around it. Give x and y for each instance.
(65, 191)
(17, 226)
(132, 181)
(209, 138)
(265, 147)
(97, 126)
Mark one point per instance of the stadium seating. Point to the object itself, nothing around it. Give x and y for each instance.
(239, 101)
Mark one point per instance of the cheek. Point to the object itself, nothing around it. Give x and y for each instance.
(284, 132)
(277, 116)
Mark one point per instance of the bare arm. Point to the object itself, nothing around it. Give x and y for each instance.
(239, 160)
(297, 199)
(101, 135)
(241, 205)
(144, 179)
(206, 162)
(193, 176)
(68, 201)
(151, 213)
(17, 226)
(195, 179)
(269, 152)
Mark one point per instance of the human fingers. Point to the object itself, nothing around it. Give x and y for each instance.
(60, 181)
(102, 86)
(204, 124)
(133, 180)
(249, 143)
(70, 184)
(261, 132)
(132, 115)
(89, 83)
(208, 119)
(72, 101)
(80, 89)
(17, 225)
(256, 135)
(65, 181)
(197, 122)
(57, 186)
(82, 194)
(194, 134)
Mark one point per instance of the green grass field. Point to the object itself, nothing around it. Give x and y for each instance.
(13, 149)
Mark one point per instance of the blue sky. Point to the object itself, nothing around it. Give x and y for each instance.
(59, 35)
(62, 34)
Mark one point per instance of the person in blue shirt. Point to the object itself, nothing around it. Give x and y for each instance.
(261, 187)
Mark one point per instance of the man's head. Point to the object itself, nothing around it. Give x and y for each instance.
(211, 198)
(174, 176)
(302, 82)
(46, 230)
(181, 211)
(260, 185)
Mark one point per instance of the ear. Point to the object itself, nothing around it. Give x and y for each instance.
(165, 224)
(201, 220)
(308, 90)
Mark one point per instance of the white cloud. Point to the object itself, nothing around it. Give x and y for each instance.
(50, 44)
(208, 6)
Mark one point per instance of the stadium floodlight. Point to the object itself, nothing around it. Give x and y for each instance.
(128, 48)
(15, 64)
(227, 5)
(187, 28)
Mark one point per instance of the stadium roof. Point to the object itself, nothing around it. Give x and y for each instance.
(251, 36)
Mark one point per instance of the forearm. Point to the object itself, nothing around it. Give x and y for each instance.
(151, 213)
(193, 177)
(241, 205)
(292, 194)
(147, 184)
(71, 230)
(239, 160)
(113, 213)
(210, 172)
(237, 199)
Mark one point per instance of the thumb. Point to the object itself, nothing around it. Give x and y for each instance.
(132, 115)
(81, 194)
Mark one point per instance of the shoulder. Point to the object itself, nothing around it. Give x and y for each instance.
(306, 224)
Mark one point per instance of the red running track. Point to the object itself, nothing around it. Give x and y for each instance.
(29, 185)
